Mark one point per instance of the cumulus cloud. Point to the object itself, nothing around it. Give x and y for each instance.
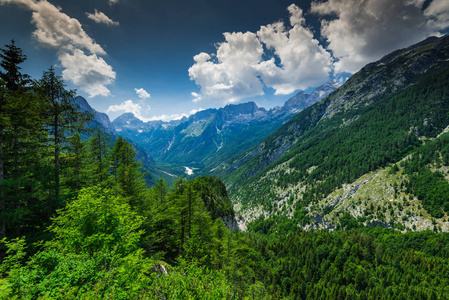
(438, 14)
(129, 106)
(239, 71)
(101, 18)
(142, 94)
(90, 72)
(56, 29)
(231, 74)
(304, 62)
(362, 31)
(112, 2)
(196, 97)
(287, 57)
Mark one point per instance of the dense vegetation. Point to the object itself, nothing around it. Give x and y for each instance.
(330, 152)
(430, 186)
(364, 263)
(79, 222)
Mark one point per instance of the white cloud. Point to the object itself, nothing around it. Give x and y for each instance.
(142, 94)
(231, 75)
(129, 106)
(112, 2)
(304, 62)
(438, 14)
(196, 97)
(238, 70)
(288, 57)
(101, 18)
(194, 111)
(167, 118)
(90, 72)
(56, 29)
(362, 31)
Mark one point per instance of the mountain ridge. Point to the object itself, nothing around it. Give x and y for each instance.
(205, 138)
(298, 164)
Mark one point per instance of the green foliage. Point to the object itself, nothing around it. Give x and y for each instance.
(429, 187)
(97, 221)
(368, 263)
(190, 281)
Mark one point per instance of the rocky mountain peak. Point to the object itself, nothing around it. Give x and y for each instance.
(100, 118)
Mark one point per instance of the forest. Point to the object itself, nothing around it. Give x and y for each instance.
(78, 221)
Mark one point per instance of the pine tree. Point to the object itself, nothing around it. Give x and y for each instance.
(75, 161)
(11, 59)
(62, 117)
(115, 162)
(161, 191)
(130, 176)
(99, 158)
(16, 118)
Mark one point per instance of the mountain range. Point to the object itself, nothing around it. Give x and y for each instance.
(374, 151)
(206, 138)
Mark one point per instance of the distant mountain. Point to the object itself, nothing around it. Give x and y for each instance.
(375, 150)
(101, 120)
(205, 139)
(303, 100)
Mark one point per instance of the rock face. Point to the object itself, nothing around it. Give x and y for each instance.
(303, 100)
(210, 136)
(100, 119)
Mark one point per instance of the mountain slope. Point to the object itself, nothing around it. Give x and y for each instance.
(210, 136)
(379, 116)
(100, 119)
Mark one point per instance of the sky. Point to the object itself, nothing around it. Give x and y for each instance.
(164, 59)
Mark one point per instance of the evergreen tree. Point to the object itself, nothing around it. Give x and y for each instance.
(62, 118)
(18, 124)
(115, 161)
(99, 160)
(75, 161)
(11, 59)
(161, 190)
(129, 175)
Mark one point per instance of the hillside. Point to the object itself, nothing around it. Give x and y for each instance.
(323, 156)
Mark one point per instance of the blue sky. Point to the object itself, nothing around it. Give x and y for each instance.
(162, 59)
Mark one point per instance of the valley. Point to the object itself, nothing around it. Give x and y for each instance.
(342, 193)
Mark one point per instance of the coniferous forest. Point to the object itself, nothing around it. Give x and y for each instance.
(78, 221)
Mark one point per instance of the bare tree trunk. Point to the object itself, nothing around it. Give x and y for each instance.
(2, 197)
(77, 170)
(182, 230)
(100, 158)
(56, 157)
(189, 195)
(16, 173)
(16, 164)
